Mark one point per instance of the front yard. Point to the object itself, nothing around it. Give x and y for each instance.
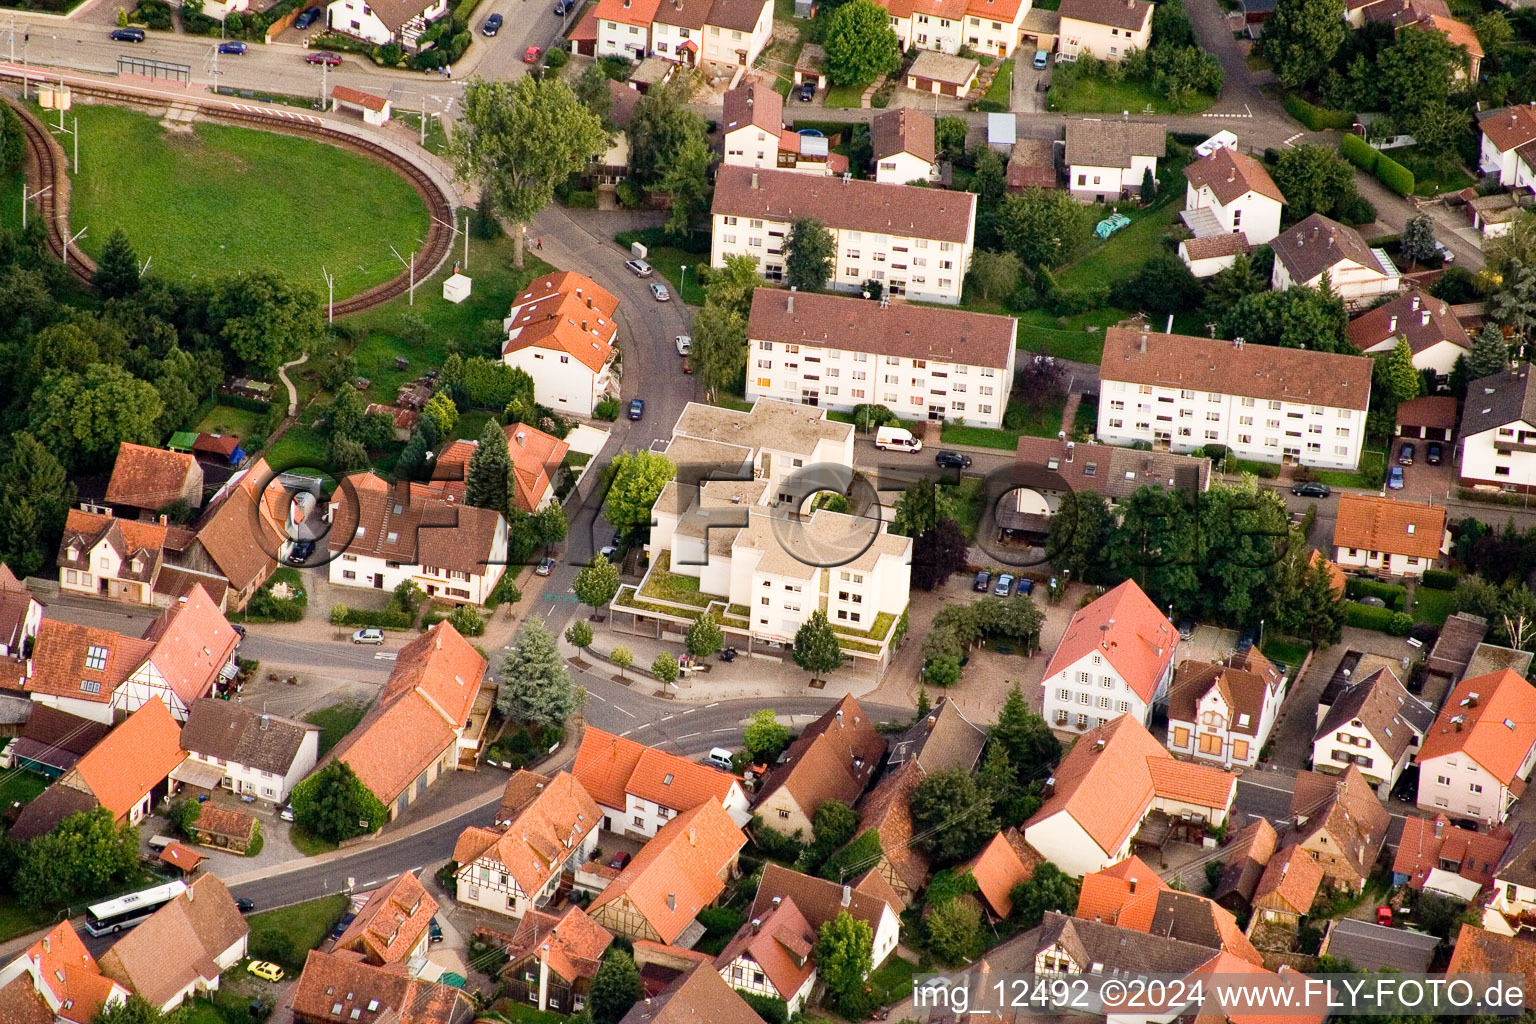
(1074, 93)
(286, 936)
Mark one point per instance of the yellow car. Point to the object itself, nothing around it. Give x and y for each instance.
(263, 969)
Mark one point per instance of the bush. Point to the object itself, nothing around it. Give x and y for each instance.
(1394, 175)
(773, 1011)
(556, 58)
(1358, 152)
(153, 14)
(607, 409)
(505, 592)
(722, 920)
(775, 844)
(467, 621)
(1439, 579)
(1354, 210)
(1364, 616)
(341, 615)
(629, 193)
(1391, 593)
(581, 199)
(1319, 119)
(1401, 623)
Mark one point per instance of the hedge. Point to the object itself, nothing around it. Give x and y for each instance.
(1358, 152)
(1394, 595)
(245, 402)
(1319, 119)
(1439, 579)
(1394, 175)
(341, 615)
(1366, 617)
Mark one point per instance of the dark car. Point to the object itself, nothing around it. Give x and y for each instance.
(1026, 587)
(1405, 455)
(434, 931)
(325, 57)
(1248, 638)
(244, 905)
(1311, 490)
(234, 46)
(1433, 453)
(729, 654)
(636, 408)
(492, 25)
(807, 91)
(128, 35)
(952, 460)
(1186, 628)
(564, 7)
(307, 19)
(983, 581)
(619, 861)
(343, 925)
(301, 552)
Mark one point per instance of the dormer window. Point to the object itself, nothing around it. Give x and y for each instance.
(96, 658)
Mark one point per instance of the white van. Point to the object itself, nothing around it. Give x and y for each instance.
(720, 758)
(897, 438)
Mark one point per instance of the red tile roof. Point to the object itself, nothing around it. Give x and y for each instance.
(1490, 718)
(1370, 523)
(64, 658)
(1104, 894)
(339, 988)
(392, 922)
(193, 642)
(71, 974)
(536, 458)
(179, 944)
(752, 103)
(133, 759)
(780, 942)
(566, 311)
(852, 205)
(534, 844)
(1428, 841)
(1421, 319)
(182, 858)
(1509, 127)
(1003, 863)
(1230, 175)
(832, 759)
(1482, 952)
(242, 533)
(358, 98)
(1128, 630)
(611, 767)
(150, 477)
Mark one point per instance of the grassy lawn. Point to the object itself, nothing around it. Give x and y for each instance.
(19, 787)
(300, 447)
(668, 258)
(970, 497)
(219, 199)
(1289, 652)
(335, 722)
(1040, 421)
(525, 1014)
(1067, 337)
(226, 419)
(665, 585)
(200, 1011)
(1073, 93)
(15, 919)
(437, 139)
(309, 845)
(1432, 175)
(1431, 605)
(1372, 472)
(1119, 256)
(285, 936)
(893, 981)
(847, 97)
(1001, 89)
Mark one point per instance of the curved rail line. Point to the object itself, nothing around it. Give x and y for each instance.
(46, 158)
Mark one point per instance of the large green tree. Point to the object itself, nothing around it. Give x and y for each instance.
(809, 252)
(764, 734)
(686, 181)
(816, 646)
(937, 554)
(487, 480)
(954, 930)
(86, 414)
(518, 140)
(334, 804)
(86, 855)
(117, 271)
(1157, 546)
(1048, 889)
(1314, 179)
(719, 346)
(638, 480)
(1024, 735)
(35, 496)
(1046, 228)
(951, 816)
(731, 285)
(661, 127)
(1489, 353)
(265, 319)
(860, 44)
(536, 685)
(1395, 375)
(1079, 528)
(1301, 37)
(844, 952)
(615, 988)
(1298, 317)
(705, 637)
(995, 274)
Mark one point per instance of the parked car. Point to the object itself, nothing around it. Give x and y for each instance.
(300, 552)
(983, 580)
(608, 551)
(718, 757)
(265, 969)
(325, 57)
(545, 567)
(434, 931)
(1042, 60)
(128, 35)
(1186, 628)
(619, 861)
(687, 366)
(1026, 587)
(286, 813)
(492, 25)
(307, 19)
(659, 292)
(343, 925)
(1311, 490)
(1395, 478)
(1405, 455)
(564, 7)
(244, 905)
(368, 636)
(1433, 453)
(952, 460)
(1444, 252)
(1004, 585)
(807, 92)
(636, 408)
(532, 54)
(639, 268)
(684, 345)
(234, 46)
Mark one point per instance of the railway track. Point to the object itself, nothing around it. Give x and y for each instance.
(53, 205)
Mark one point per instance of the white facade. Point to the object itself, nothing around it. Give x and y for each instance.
(1504, 456)
(1509, 900)
(1351, 281)
(1256, 216)
(357, 18)
(629, 30)
(240, 778)
(980, 28)
(1105, 42)
(623, 39)
(1220, 734)
(645, 817)
(561, 381)
(1091, 692)
(1063, 841)
(1459, 787)
(1383, 561)
(904, 168)
(1440, 357)
(747, 974)
(486, 883)
(1264, 430)
(131, 694)
(1353, 743)
(913, 389)
(375, 572)
(1513, 172)
(1104, 184)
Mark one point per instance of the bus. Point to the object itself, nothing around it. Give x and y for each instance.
(127, 911)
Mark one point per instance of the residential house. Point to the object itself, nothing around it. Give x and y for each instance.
(1032, 164)
(839, 352)
(60, 971)
(1482, 952)
(819, 900)
(1384, 535)
(1340, 823)
(1073, 945)
(536, 461)
(1512, 905)
(1435, 856)
(699, 995)
(519, 864)
(1046, 469)
(754, 135)
(21, 614)
(1003, 863)
(244, 531)
(181, 949)
(1317, 246)
(551, 960)
(1458, 646)
(1429, 16)
(942, 74)
(1110, 159)
(152, 479)
(770, 956)
(1115, 658)
(129, 560)
(904, 148)
(1106, 29)
(1427, 418)
(260, 754)
(660, 964)
(383, 534)
(917, 242)
(393, 21)
(560, 330)
(1107, 783)
(1374, 724)
(1434, 335)
(1104, 893)
(224, 827)
(725, 34)
(1498, 432)
(422, 725)
(611, 166)
(681, 871)
(391, 927)
(1262, 402)
(1223, 711)
(341, 988)
(1287, 889)
(834, 758)
(1476, 758)
(887, 811)
(1131, 895)
(1247, 855)
(1492, 216)
(1507, 150)
(1230, 205)
(993, 27)
(1373, 947)
(127, 773)
(53, 741)
(943, 741)
(184, 655)
(638, 789)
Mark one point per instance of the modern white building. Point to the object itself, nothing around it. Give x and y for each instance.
(838, 352)
(1476, 758)
(724, 33)
(391, 21)
(1498, 432)
(561, 330)
(1434, 335)
(1116, 658)
(1110, 159)
(904, 147)
(1506, 147)
(1222, 712)
(1230, 205)
(1318, 247)
(261, 755)
(1401, 538)
(1265, 403)
(1107, 29)
(916, 242)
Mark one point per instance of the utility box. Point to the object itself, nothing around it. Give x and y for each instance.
(53, 97)
(456, 288)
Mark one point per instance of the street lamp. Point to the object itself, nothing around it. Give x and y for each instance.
(682, 281)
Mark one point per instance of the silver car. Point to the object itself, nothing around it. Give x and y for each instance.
(659, 292)
(368, 636)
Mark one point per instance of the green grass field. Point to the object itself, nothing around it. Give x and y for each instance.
(1077, 94)
(1118, 257)
(1066, 337)
(668, 259)
(224, 419)
(335, 722)
(221, 199)
(1431, 605)
(285, 936)
(19, 788)
(1001, 89)
(846, 97)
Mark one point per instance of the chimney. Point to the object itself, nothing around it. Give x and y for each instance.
(191, 892)
(1133, 881)
(1456, 721)
(1439, 828)
(757, 925)
(47, 944)
(777, 900)
(1237, 342)
(1391, 325)
(931, 720)
(583, 327)
(671, 901)
(847, 895)
(691, 837)
(839, 716)
(754, 173)
(789, 303)
(1071, 449)
(1098, 745)
(1141, 345)
(1413, 303)
(1231, 174)
(544, 977)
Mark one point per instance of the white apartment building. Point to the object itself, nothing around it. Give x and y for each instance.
(261, 755)
(1318, 246)
(1476, 758)
(916, 242)
(1265, 403)
(1116, 658)
(992, 27)
(1402, 538)
(837, 352)
(561, 331)
(1506, 132)
(723, 33)
(1498, 432)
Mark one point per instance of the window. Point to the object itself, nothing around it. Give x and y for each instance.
(1104, 703)
(1084, 698)
(1123, 706)
(1210, 743)
(96, 658)
(1444, 780)
(1065, 695)
(1474, 787)
(783, 814)
(1082, 721)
